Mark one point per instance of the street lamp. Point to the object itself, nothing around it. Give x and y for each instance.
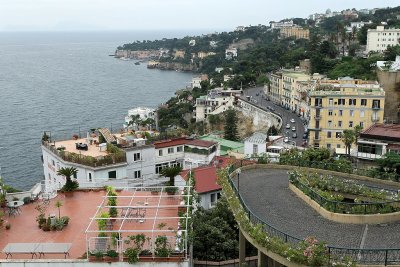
(238, 171)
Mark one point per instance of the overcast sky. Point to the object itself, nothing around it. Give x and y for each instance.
(161, 14)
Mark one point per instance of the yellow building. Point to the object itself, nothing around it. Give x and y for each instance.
(283, 87)
(336, 105)
(295, 31)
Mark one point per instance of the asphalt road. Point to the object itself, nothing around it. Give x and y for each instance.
(260, 100)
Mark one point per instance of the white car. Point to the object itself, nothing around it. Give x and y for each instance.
(293, 129)
(286, 139)
(288, 126)
(292, 120)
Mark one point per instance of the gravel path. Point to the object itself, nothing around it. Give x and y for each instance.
(267, 194)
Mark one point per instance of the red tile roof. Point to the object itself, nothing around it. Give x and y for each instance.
(206, 176)
(389, 132)
(183, 141)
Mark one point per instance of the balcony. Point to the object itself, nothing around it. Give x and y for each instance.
(376, 107)
(318, 117)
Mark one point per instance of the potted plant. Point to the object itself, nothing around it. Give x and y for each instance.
(1, 218)
(111, 256)
(75, 136)
(162, 246)
(131, 255)
(96, 257)
(155, 191)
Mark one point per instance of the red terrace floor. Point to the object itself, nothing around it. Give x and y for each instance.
(80, 208)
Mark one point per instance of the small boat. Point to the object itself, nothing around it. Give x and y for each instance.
(137, 63)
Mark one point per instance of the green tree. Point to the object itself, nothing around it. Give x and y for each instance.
(67, 172)
(215, 236)
(214, 120)
(58, 205)
(357, 132)
(348, 138)
(391, 52)
(272, 130)
(171, 172)
(230, 129)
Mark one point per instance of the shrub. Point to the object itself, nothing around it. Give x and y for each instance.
(112, 254)
(132, 255)
(70, 186)
(8, 226)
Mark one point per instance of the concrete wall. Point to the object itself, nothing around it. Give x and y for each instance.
(390, 81)
(259, 115)
(85, 263)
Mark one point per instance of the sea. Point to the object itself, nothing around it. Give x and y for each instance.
(66, 83)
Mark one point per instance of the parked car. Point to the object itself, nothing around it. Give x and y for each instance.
(288, 126)
(292, 120)
(294, 135)
(305, 136)
(286, 139)
(293, 129)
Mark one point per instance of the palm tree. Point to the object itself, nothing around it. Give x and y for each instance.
(171, 172)
(67, 172)
(348, 139)
(135, 121)
(357, 132)
(58, 205)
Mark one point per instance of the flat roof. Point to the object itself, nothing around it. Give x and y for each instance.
(70, 146)
(184, 141)
(224, 143)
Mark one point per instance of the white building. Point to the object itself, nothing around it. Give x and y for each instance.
(196, 81)
(389, 65)
(281, 24)
(377, 140)
(231, 53)
(380, 39)
(255, 145)
(143, 112)
(215, 102)
(358, 25)
(184, 152)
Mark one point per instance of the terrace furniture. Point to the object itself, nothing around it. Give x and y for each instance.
(14, 207)
(53, 248)
(37, 248)
(20, 248)
(81, 146)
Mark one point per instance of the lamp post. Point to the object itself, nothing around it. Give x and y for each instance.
(238, 171)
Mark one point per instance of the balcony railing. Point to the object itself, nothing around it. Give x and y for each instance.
(100, 161)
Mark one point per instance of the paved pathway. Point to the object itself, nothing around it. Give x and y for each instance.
(267, 194)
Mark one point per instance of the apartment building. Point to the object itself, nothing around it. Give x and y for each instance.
(216, 101)
(337, 105)
(380, 38)
(295, 31)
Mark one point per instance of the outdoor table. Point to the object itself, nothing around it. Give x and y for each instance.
(14, 207)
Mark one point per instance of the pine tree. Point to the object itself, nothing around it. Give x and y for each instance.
(231, 132)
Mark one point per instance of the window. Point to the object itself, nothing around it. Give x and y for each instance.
(329, 134)
(376, 103)
(137, 174)
(362, 113)
(338, 134)
(179, 149)
(350, 124)
(352, 102)
(136, 156)
(330, 101)
(370, 148)
(52, 161)
(316, 135)
(351, 112)
(339, 123)
(340, 112)
(328, 146)
(329, 123)
(160, 152)
(255, 149)
(212, 198)
(362, 124)
(341, 101)
(170, 150)
(112, 174)
(90, 177)
(338, 146)
(330, 112)
(75, 175)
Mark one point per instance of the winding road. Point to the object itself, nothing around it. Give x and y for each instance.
(267, 195)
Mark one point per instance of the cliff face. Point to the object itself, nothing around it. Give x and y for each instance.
(390, 81)
(172, 66)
